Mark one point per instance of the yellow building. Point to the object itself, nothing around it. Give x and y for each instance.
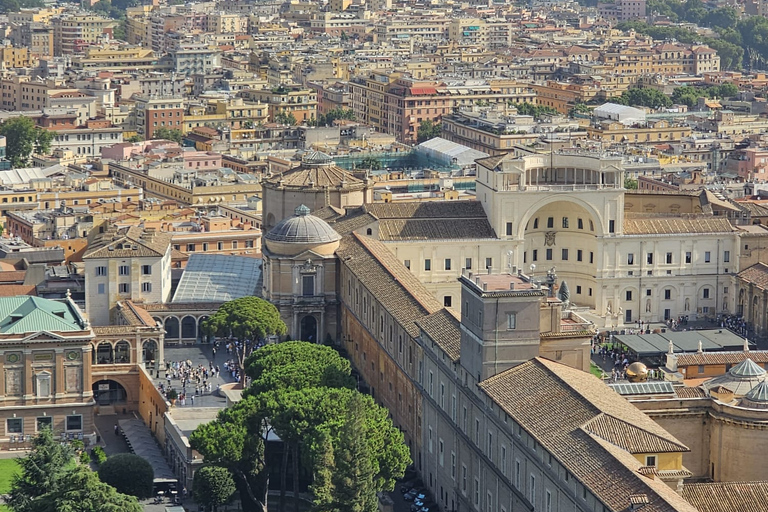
(649, 133)
(11, 57)
(75, 32)
(284, 99)
(113, 59)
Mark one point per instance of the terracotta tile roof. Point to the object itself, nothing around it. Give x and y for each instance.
(12, 276)
(676, 225)
(321, 176)
(434, 229)
(442, 327)
(427, 210)
(12, 290)
(351, 222)
(757, 275)
(730, 357)
(630, 438)
(130, 242)
(728, 496)
(690, 392)
(135, 315)
(553, 403)
(399, 291)
(329, 213)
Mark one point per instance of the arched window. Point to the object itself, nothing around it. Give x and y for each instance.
(122, 352)
(104, 353)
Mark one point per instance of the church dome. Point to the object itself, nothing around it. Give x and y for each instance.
(757, 398)
(302, 228)
(740, 380)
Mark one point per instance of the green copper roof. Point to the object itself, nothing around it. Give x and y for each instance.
(24, 314)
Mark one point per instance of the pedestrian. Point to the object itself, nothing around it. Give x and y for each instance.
(192, 399)
(117, 430)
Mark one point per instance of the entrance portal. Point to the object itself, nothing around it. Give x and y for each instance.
(107, 392)
(309, 328)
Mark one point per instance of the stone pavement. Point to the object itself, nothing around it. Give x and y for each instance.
(199, 354)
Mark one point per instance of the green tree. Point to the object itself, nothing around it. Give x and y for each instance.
(80, 490)
(353, 480)
(234, 441)
(168, 134)
(129, 474)
(249, 320)
(22, 138)
(213, 486)
(134, 138)
(630, 183)
(370, 163)
(428, 129)
(42, 470)
(644, 97)
(322, 488)
(286, 118)
(295, 365)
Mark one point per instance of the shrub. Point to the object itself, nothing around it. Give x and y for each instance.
(129, 474)
(98, 454)
(85, 459)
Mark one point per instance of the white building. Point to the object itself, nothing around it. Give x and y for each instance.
(126, 264)
(621, 113)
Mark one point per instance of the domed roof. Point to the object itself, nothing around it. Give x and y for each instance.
(747, 368)
(302, 228)
(316, 158)
(759, 393)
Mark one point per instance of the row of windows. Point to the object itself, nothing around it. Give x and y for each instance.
(124, 270)
(123, 288)
(669, 258)
(74, 422)
(565, 223)
(706, 293)
(448, 264)
(564, 255)
(219, 246)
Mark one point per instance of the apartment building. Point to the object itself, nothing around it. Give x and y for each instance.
(397, 105)
(112, 59)
(158, 112)
(286, 99)
(650, 132)
(72, 33)
(126, 264)
(227, 23)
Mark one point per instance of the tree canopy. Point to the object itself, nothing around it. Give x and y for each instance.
(644, 97)
(689, 95)
(286, 118)
(529, 109)
(428, 129)
(305, 392)
(329, 117)
(22, 138)
(52, 481)
(168, 134)
(213, 486)
(129, 474)
(16, 5)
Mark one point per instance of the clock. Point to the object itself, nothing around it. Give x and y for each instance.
(12, 358)
(72, 355)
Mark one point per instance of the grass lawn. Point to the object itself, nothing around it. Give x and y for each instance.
(8, 467)
(595, 370)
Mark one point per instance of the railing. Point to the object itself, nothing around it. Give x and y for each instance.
(558, 188)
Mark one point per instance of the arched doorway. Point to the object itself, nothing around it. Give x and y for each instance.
(172, 328)
(188, 328)
(107, 392)
(309, 328)
(562, 235)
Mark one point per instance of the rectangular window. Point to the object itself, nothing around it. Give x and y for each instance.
(427, 265)
(101, 271)
(447, 301)
(669, 258)
(453, 465)
(650, 460)
(564, 254)
(532, 492)
(611, 226)
(14, 426)
(579, 255)
(630, 259)
(429, 440)
(503, 460)
(707, 257)
(146, 270)
(464, 479)
(488, 263)
(535, 255)
(580, 224)
(477, 433)
(44, 422)
(509, 229)
(74, 422)
(591, 257)
(468, 263)
(123, 288)
(649, 258)
(219, 246)
(477, 493)
(191, 247)
(490, 445)
(124, 270)
(688, 257)
(308, 286)
(511, 320)
(517, 473)
(407, 264)
(146, 287)
(578, 289)
(727, 257)
(447, 264)
(629, 294)
(706, 293)
(667, 294)
(453, 407)
(464, 420)
(102, 289)
(550, 222)
(565, 222)
(548, 502)
(549, 254)
(442, 396)
(441, 452)
(431, 383)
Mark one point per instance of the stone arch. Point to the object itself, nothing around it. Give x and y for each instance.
(188, 327)
(149, 350)
(122, 352)
(308, 328)
(116, 382)
(105, 353)
(270, 221)
(172, 327)
(594, 215)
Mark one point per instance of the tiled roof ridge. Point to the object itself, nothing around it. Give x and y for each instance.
(587, 427)
(365, 242)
